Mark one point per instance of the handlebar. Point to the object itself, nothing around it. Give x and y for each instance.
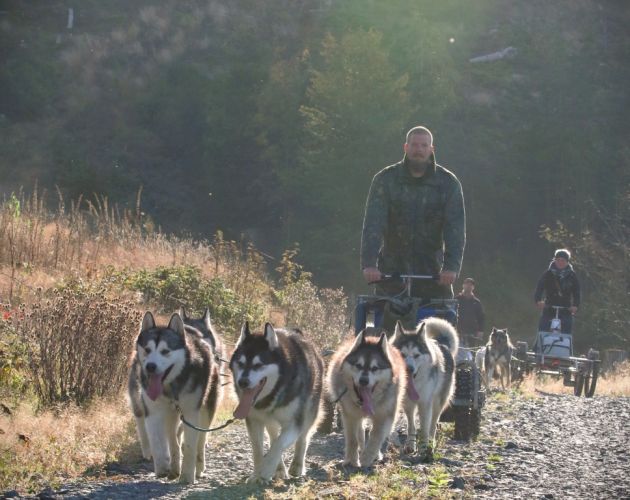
(399, 276)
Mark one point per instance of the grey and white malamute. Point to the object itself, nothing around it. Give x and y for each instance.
(278, 380)
(429, 353)
(368, 378)
(496, 355)
(173, 373)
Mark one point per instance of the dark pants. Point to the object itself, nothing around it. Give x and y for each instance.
(544, 325)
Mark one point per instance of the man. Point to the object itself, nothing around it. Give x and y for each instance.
(414, 220)
(559, 286)
(470, 315)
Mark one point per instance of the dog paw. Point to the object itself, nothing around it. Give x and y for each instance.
(255, 479)
(350, 464)
(425, 454)
(410, 447)
(281, 474)
(297, 470)
(187, 479)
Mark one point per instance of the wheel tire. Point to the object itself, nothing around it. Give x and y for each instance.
(589, 388)
(475, 422)
(579, 384)
(463, 428)
(521, 350)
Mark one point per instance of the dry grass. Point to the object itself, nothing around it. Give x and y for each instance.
(39, 449)
(615, 383)
(48, 448)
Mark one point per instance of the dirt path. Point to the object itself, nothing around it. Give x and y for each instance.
(545, 447)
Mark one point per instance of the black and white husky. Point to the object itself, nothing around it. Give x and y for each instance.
(429, 352)
(278, 380)
(173, 373)
(496, 356)
(368, 378)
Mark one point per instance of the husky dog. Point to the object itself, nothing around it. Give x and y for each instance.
(173, 371)
(367, 376)
(496, 356)
(209, 333)
(206, 329)
(429, 352)
(278, 380)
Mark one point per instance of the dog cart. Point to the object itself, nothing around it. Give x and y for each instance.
(553, 355)
(469, 398)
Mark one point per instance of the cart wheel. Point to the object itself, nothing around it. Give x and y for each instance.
(521, 350)
(590, 380)
(463, 423)
(475, 422)
(579, 384)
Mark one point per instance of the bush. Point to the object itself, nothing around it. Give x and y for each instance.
(172, 287)
(13, 355)
(79, 343)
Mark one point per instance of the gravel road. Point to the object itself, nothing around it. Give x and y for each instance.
(549, 446)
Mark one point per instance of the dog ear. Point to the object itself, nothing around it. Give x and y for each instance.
(147, 322)
(360, 339)
(384, 344)
(399, 331)
(207, 320)
(176, 324)
(420, 329)
(244, 333)
(271, 337)
(182, 313)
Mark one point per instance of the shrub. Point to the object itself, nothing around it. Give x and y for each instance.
(79, 343)
(13, 355)
(171, 287)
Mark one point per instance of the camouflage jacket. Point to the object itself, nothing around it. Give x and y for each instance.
(414, 225)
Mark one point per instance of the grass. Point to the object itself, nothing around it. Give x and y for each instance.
(50, 447)
(614, 384)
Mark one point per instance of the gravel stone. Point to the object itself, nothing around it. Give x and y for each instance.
(551, 446)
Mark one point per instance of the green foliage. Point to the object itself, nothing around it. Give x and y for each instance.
(271, 119)
(601, 255)
(169, 288)
(438, 479)
(13, 355)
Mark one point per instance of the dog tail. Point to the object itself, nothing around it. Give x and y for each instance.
(443, 332)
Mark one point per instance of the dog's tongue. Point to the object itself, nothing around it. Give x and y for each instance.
(366, 401)
(246, 401)
(411, 391)
(155, 386)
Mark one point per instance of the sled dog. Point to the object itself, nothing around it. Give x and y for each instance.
(429, 352)
(278, 380)
(209, 333)
(173, 373)
(496, 355)
(367, 377)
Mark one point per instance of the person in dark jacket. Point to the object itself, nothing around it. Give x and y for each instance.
(470, 315)
(414, 220)
(558, 286)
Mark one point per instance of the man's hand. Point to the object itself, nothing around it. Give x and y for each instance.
(447, 277)
(540, 304)
(372, 274)
(573, 310)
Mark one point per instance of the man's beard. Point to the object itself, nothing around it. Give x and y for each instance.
(418, 167)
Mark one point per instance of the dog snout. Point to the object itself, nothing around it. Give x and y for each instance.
(364, 381)
(151, 367)
(243, 383)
